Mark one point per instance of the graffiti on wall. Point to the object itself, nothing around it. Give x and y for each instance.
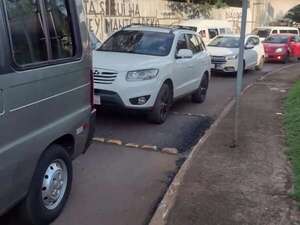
(107, 16)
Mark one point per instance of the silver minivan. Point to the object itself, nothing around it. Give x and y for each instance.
(46, 103)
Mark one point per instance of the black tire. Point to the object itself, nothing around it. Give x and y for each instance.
(33, 210)
(260, 66)
(287, 59)
(200, 95)
(163, 103)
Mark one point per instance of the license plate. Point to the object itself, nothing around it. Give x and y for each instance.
(218, 66)
(97, 100)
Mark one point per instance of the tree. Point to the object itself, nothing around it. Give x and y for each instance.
(294, 14)
(237, 3)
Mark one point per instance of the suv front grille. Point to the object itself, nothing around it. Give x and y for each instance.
(104, 76)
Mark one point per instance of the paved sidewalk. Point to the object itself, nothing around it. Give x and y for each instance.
(247, 185)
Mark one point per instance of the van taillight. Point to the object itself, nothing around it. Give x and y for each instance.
(92, 89)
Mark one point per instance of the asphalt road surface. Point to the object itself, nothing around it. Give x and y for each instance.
(117, 185)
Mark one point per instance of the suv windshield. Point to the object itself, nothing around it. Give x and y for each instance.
(139, 42)
(263, 33)
(277, 39)
(225, 42)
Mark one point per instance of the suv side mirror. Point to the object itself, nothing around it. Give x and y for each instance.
(184, 54)
(249, 46)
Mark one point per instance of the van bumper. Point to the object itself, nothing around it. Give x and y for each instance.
(91, 132)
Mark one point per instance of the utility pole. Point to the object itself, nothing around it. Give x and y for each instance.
(239, 80)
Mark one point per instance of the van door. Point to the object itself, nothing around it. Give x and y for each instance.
(46, 90)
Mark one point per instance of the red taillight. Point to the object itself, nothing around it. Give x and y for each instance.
(92, 89)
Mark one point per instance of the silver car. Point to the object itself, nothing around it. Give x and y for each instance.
(46, 103)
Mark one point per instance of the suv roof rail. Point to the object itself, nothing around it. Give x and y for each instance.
(171, 28)
(180, 27)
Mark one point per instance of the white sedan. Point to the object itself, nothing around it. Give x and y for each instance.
(224, 52)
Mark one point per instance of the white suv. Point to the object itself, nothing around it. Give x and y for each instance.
(146, 68)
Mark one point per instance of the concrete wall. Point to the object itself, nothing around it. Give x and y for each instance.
(107, 16)
(266, 11)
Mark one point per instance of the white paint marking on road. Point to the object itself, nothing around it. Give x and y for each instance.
(154, 148)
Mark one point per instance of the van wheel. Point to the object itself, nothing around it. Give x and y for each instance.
(200, 95)
(50, 187)
(260, 66)
(163, 103)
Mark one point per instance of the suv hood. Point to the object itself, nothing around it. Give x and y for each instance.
(123, 62)
(219, 51)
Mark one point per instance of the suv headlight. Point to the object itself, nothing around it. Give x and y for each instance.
(231, 57)
(279, 50)
(140, 75)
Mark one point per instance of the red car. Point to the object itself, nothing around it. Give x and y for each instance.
(281, 47)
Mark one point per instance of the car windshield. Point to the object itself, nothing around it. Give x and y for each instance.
(225, 42)
(139, 42)
(263, 33)
(277, 39)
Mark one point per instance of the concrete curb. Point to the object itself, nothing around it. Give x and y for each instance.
(161, 214)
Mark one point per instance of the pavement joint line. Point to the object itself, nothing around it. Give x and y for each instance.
(161, 214)
(154, 148)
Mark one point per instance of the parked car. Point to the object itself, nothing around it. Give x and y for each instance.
(46, 112)
(282, 47)
(146, 68)
(209, 29)
(224, 52)
(264, 32)
(95, 42)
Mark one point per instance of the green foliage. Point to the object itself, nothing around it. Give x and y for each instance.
(292, 126)
(294, 14)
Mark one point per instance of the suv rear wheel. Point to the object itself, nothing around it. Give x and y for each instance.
(163, 103)
(50, 187)
(200, 95)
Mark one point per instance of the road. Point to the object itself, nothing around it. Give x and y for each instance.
(117, 185)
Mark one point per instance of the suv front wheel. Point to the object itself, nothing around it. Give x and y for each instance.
(199, 95)
(50, 187)
(163, 103)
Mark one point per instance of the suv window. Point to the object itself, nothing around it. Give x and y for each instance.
(256, 41)
(139, 42)
(29, 35)
(193, 43)
(181, 43)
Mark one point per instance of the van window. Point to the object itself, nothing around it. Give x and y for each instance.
(60, 29)
(203, 33)
(222, 31)
(26, 31)
(274, 32)
(288, 31)
(213, 33)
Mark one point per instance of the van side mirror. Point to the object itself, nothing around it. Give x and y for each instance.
(184, 54)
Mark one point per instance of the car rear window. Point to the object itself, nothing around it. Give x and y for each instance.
(139, 42)
(277, 39)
